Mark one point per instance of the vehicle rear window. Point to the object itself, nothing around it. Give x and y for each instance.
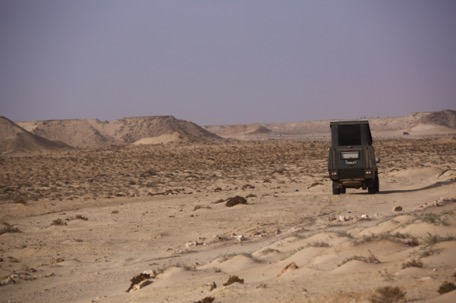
(349, 135)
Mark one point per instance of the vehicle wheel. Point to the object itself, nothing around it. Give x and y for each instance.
(377, 183)
(371, 190)
(374, 187)
(343, 190)
(336, 188)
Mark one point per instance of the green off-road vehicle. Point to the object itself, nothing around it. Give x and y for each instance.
(352, 162)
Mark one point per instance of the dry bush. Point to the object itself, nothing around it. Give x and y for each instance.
(227, 257)
(427, 251)
(201, 207)
(406, 239)
(412, 263)
(434, 239)
(20, 199)
(435, 219)
(13, 259)
(58, 222)
(344, 234)
(388, 294)
(8, 228)
(387, 276)
(184, 266)
(81, 217)
(318, 244)
(446, 287)
(372, 259)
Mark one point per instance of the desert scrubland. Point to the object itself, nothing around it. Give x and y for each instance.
(227, 221)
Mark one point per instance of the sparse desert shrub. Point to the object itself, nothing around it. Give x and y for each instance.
(388, 294)
(226, 257)
(387, 276)
(184, 266)
(81, 217)
(58, 222)
(318, 244)
(434, 239)
(412, 263)
(20, 199)
(435, 219)
(201, 207)
(397, 237)
(371, 259)
(13, 259)
(371, 238)
(8, 228)
(446, 287)
(344, 233)
(427, 251)
(247, 186)
(56, 260)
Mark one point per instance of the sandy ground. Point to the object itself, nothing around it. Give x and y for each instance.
(78, 226)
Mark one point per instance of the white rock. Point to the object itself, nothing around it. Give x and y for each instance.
(240, 238)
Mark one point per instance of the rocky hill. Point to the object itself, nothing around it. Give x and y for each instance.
(133, 129)
(77, 133)
(14, 138)
(414, 125)
(93, 133)
(445, 118)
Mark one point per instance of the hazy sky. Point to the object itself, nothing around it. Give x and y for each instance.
(225, 62)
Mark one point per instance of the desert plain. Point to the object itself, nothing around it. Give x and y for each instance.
(251, 220)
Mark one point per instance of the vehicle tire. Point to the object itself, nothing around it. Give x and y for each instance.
(374, 187)
(371, 190)
(336, 188)
(377, 183)
(343, 190)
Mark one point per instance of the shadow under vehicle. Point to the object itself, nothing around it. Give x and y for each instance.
(352, 162)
